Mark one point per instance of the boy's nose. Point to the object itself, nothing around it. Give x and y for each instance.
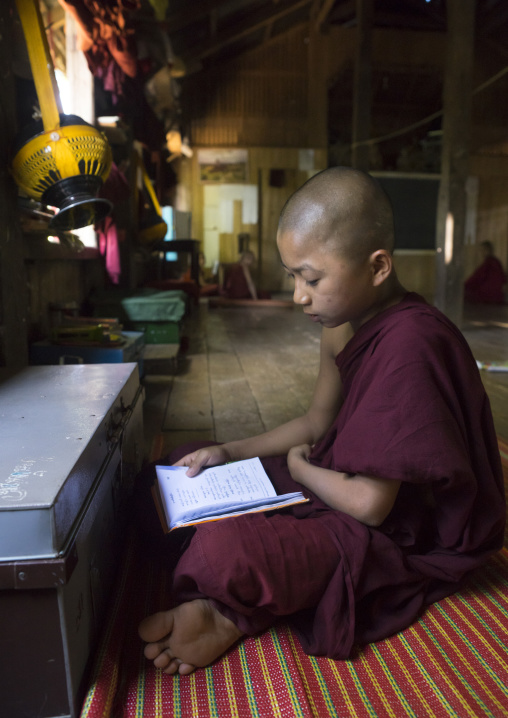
(300, 295)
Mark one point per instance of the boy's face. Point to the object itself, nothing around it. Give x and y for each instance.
(331, 289)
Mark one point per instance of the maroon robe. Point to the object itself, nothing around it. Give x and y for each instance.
(235, 285)
(415, 411)
(486, 283)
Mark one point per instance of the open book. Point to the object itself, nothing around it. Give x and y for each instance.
(215, 493)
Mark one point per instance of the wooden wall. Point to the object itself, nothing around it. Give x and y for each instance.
(416, 270)
(492, 212)
(54, 278)
(264, 102)
(277, 99)
(32, 273)
(261, 160)
(259, 99)
(274, 102)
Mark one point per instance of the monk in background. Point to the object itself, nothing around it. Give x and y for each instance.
(239, 284)
(486, 284)
(397, 454)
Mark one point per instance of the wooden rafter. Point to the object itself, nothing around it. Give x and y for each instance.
(344, 11)
(323, 13)
(194, 11)
(228, 38)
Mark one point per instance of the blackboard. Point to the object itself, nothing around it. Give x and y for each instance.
(414, 201)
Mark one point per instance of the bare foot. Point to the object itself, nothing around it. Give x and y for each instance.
(187, 637)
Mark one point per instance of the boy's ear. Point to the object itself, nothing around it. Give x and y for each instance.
(381, 263)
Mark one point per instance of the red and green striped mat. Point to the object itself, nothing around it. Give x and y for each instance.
(452, 662)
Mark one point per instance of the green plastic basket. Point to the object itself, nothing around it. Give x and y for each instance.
(159, 332)
(157, 307)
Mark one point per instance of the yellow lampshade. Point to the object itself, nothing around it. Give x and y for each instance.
(64, 168)
(61, 161)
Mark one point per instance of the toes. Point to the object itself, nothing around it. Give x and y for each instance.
(186, 668)
(173, 667)
(156, 627)
(152, 650)
(164, 660)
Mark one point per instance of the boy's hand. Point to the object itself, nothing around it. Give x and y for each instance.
(200, 459)
(298, 455)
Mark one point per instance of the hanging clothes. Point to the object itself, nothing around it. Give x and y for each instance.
(110, 249)
(116, 190)
(108, 40)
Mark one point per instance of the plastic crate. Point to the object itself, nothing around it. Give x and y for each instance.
(159, 332)
(155, 307)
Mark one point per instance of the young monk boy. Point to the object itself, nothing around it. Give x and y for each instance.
(397, 454)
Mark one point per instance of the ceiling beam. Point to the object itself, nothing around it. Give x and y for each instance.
(344, 12)
(194, 11)
(322, 14)
(228, 38)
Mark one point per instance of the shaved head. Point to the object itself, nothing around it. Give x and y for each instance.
(344, 209)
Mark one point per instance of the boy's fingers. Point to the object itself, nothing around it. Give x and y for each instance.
(196, 464)
(197, 461)
(184, 461)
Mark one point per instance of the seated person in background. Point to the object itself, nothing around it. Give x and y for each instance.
(486, 283)
(238, 283)
(397, 454)
(208, 286)
(206, 274)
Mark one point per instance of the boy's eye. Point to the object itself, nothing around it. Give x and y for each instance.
(312, 282)
(291, 276)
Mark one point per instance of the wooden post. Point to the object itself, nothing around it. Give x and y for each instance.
(451, 210)
(13, 278)
(259, 246)
(362, 93)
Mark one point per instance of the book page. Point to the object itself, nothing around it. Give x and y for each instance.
(218, 488)
(278, 502)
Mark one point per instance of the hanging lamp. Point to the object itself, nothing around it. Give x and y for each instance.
(62, 161)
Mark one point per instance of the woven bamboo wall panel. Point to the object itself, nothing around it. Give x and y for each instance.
(260, 99)
(250, 132)
(286, 53)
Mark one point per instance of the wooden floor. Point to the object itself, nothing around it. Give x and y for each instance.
(486, 330)
(247, 370)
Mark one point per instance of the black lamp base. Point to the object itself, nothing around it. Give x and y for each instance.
(75, 199)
